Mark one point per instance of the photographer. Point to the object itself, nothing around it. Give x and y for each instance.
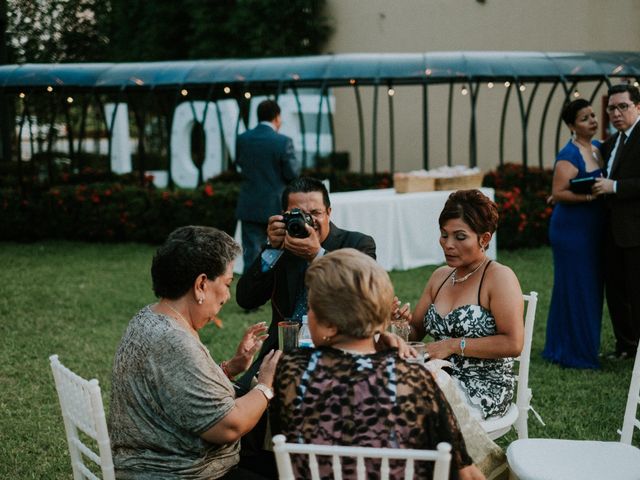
(303, 233)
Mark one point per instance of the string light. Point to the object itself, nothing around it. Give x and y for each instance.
(490, 85)
(22, 95)
(49, 89)
(391, 92)
(507, 84)
(184, 92)
(247, 95)
(522, 87)
(227, 90)
(352, 81)
(636, 84)
(464, 90)
(69, 99)
(576, 93)
(427, 71)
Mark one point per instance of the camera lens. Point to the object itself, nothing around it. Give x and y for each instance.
(296, 228)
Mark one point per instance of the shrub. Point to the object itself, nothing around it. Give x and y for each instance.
(114, 212)
(94, 205)
(522, 204)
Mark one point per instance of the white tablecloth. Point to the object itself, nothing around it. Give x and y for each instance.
(404, 226)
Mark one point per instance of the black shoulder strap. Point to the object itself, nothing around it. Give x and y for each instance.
(482, 279)
(441, 285)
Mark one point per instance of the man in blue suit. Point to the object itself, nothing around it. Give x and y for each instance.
(268, 164)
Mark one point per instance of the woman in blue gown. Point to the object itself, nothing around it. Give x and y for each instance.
(576, 235)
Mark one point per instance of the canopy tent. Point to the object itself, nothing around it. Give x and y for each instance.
(330, 70)
(240, 79)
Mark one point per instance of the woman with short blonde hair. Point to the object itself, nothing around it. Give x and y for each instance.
(362, 303)
(352, 390)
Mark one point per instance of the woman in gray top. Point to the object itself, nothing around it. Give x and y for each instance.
(173, 409)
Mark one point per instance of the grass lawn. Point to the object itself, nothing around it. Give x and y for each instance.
(76, 299)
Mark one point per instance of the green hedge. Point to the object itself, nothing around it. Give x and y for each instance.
(522, 204)
(114, 212)
(98, 206)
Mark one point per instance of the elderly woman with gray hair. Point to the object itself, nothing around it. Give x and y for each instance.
(173, 409)
(352, 390)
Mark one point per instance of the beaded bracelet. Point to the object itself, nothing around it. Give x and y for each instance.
(463, 343)
(225, 369)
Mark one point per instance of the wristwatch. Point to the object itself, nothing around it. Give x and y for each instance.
(268, 393)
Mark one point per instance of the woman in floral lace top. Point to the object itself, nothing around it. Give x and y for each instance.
(351, 390)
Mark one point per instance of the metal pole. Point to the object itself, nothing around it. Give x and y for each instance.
(374, 127)
(473, 140)
(503, 121)
(392, 137)
(425, 126)
(449, 123)
(543, 122)
(360, 126)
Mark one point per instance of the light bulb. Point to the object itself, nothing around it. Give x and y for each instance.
(391, 92)
(247, 95)
(490, 85)
(227, 90)
(184, 92)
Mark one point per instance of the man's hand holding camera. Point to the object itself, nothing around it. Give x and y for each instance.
(294, 231)
(307, 247)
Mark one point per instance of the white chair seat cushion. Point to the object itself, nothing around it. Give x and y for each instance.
(550, 459)
(492, 424)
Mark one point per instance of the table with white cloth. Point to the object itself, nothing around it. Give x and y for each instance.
(404, 225)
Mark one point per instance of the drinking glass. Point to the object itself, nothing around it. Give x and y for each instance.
(400, 328)
(288, 335)
(421, 349)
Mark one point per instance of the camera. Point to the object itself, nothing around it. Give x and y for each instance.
(295, 221)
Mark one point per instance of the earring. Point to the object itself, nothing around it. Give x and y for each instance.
(200, 300)
(482, 248)
(327, 339)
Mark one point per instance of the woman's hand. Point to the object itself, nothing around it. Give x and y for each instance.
(443, 348)
(400, 313)
(388, 340)
(268, 367)
(251, 342)
(471, 472)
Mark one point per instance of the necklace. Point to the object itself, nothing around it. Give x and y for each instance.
(184, 320)
(455, 279)
(589, 147)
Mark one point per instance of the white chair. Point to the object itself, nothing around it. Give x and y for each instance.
(554, 459)
(518, 412)
(441, 457)
(83, 415)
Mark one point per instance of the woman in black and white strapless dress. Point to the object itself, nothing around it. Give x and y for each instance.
(473, 307)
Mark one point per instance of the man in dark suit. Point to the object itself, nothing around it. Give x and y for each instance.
(622, 196)
(268, 163)
(278, 273)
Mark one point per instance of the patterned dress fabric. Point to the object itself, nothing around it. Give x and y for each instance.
(576, 232)
(488, 384)
(327, 396)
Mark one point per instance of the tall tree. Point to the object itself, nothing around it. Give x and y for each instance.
(58, 30)
(6, 108)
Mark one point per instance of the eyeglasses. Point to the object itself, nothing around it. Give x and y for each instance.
(317, 213)
(621, 107)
